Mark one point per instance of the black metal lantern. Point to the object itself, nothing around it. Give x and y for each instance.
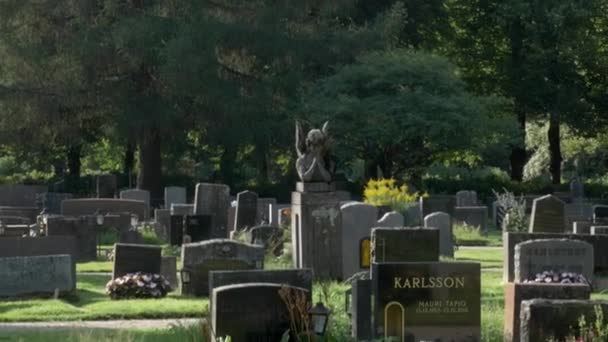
(185, 277)
(319, 316)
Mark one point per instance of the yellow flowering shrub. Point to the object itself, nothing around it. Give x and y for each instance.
(380, 192)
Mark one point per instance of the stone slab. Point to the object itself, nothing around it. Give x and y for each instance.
(37, 275)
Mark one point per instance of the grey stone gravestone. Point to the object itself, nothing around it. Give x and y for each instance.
(218, 254)
(90, 206)
(174, 195)
(560, 255)
(472, 216)
(435, 203)
(17, 195)
(547, 215)
(600, 214)
(214, 200)
(599, 230)
(46, 245)
(83, 228)
(466, 198)
(443, 222)
(237, 311)
(427, 301)
(136, 195)
(405, 244)
(107, 186)
(391, 219)
(131, 258)
(35, 275)
(357, 222)
(182, 209)
(264, 206)
(275, 213)
(231, 217)
(168, 269)
(246, 210)
(163, 218)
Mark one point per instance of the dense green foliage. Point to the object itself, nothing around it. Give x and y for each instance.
(175, 92)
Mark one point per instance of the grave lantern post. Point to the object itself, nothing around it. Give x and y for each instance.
(319, 316)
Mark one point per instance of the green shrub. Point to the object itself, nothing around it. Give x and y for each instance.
(469, 236)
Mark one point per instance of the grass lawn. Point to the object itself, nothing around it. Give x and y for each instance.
(469, 236)
(177, 334)
(91, 303)
(489, 258)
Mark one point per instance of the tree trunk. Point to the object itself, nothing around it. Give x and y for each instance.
(555, 150)
(74, 166)
(149, 175)
(129, 161)
(227, 165)
(519, 157)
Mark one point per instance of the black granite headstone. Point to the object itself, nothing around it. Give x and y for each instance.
(198, 227)
(131, 258)
(176, 230)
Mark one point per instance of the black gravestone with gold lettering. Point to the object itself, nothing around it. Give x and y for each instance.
(427, 301)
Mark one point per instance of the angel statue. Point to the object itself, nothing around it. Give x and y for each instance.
(314, 164)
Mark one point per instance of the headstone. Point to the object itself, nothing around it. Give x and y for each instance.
(275, 213)
(391, 219)
(17, 195)
(182, 209)
(174, 194)
(231, 217)
(136, 195)
(599, 230)
(198, 227)
(36, 275)
(515, 293)
(34, 246)
(29, 212)
(246, 210)
(263, 208)
(168, 269)
(427, 301)
(556, 319)
(405, 244)
(577, 189)
(466, 198)
(582, 227)
(412, 216)
(107, 186)
(90, 206)
(510, 239)
(83, 228)
(177, 230)
(357, 222)
(252, 312)
(219, 254)
(131, 258)
(435, 203)
(547, 215)
(271, 238)
(361, 311)
(577, 211)
(52, 201)
(443, 222)
(214, 200)
(560, 255)
(472, 216)
(163, 218)
(600, 214)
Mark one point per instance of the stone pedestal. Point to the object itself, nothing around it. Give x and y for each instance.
(317, 229)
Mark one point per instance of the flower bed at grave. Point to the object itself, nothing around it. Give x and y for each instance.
(553, 277)
(138, 285)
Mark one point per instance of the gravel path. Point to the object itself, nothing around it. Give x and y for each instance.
(117, 324)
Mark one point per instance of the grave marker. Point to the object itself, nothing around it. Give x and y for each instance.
(35, 275)
(246, 210)
(131, 258)
(443, 222)
(214, 200)
(174, 195)
(405, 244)
(547, 215)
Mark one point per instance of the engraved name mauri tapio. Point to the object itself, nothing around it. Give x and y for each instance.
(314, 163)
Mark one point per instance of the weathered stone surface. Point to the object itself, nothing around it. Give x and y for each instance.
(357, 222)
(443, 222)
(315, 145)
(216, 255)
(599, 230)
(391, 219)
(466, 198)
(34, 275)
(435, 203)
(198, 227)
(17, 195)
(251, 312)
(544, 319)
(510, 239)
(515, 293)
(317, 232)
(409, 304)
(547, 215)
(47, 245)
(472, 216)
(293, 277)
(89, 206)
(182, 209)
(107, 186)
(560, 255)
(163, 218)
(174, 195)
(131, 258)
(246, 210)
(83, 228)
(136, 195)
(214, 200)
(405, 244)
(168, 269)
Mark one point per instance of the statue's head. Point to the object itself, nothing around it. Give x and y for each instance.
(315, 140)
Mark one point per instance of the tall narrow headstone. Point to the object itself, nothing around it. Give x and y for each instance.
(357, 222)
(246, 210)
(443, 222)
(214, 200)
(174, 194)
(547, 215)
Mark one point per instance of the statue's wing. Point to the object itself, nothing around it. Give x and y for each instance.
(300, 139)
(325, 128)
